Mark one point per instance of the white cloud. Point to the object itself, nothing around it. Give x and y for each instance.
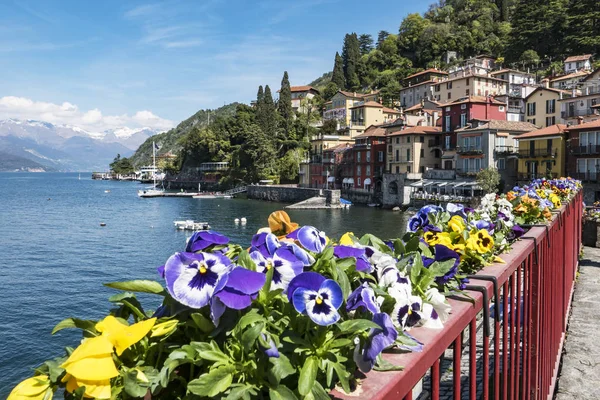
(68, 113)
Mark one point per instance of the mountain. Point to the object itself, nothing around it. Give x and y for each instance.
(12, 163)
(168, 141)
(67, 148)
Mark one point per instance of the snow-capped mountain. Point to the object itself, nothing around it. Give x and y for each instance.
(66, 147)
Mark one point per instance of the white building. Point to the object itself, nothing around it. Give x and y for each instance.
(578, 63)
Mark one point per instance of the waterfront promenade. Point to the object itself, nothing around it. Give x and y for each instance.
(580, 373)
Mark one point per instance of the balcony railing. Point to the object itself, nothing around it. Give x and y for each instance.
(586, 176)
(359, 122)
(529, 153)
(451, 147)
(401, 160)
(467, 171)
(469, 150)
(578, 113)
(529, 176)
(516, 110)
(504, 150)
(362, 146)
(316, 159)
(589, 149)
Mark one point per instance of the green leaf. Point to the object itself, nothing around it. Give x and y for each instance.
(282, 367)
(209, 351)
(54, 369)
(355, 325)
(281, 393)
(415, 269)
(345, 263)
(441, 268)
(86, 325)
(245, 261)
(251, 317)
(267, 286)
(399, 248)
(425, 250)
(202, 322)
(250, 335)
(141, 286)
(216, 381)
(245, 392)
(412, 244)
(343, 376)
(383, 365)
(318, 393)
(344, 282)
(133, 386)
(340, 343)
(327, 253)
(308, 375)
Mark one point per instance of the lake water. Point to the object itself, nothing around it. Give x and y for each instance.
(55, 255)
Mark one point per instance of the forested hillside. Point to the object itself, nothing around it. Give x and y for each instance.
(521, 33)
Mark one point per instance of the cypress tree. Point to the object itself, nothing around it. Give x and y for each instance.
(338, 72)
(284, 105)
(381, 37)
(351, 58)
(259, 97)
(365, 43)
(266, 114)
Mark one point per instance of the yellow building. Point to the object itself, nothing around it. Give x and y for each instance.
(413, 150)
(368, 113)
(542, 153)
(469, 85)
(338, 107)
(542, 106)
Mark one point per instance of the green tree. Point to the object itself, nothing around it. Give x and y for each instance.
(289, 165)
(529, 58)
(381, 36)
(488, 179)
(284, 105)
(260, 96)
(338, 72)
(121, 165)
(351, 58)
(330, 90)
(365, 42)
(266, 114)
(410, 32)
(583, 32)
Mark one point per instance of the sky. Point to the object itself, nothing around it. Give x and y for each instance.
(110, 63)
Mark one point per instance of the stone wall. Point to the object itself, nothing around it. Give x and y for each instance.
(287, 194)
(359, 196)
(393, 190)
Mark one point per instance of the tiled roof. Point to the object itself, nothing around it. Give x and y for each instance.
(371, 131)
(502, 125)
(302, 88)
(430, 70)
(570, 76)
(390, 110)
(587, 125)
(417, 130)
(472, 99)
(551, 130)
(550, 89)
(509, 70)
(357, 95)
(369, 104)
(583, 57)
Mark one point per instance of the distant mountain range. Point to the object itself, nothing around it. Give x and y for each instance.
(65, 147)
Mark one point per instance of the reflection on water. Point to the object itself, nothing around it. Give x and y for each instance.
(55, 255)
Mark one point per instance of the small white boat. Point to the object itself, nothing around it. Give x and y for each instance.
(191, 225)
(237, 220)
(243, 220)
(151, 193)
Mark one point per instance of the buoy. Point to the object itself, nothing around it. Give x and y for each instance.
(243, 220)
(237, 220)
(102, 224)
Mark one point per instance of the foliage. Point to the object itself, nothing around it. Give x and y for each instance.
(583, 26)
(351, 59)
(121, 165)
(294, 315)
(488, 179)
(284, 105)
(338, 77)
(365, 43)
(322, 81)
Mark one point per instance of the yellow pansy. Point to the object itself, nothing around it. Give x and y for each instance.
(433, 238)
(458, 247)
(94, 389)
(34, 388)
(346, 239)
(555, 200)
(122, 336)
(457, 224)
(541, 193)
(521, 208)
(280, 223)
(480, 241)
(547, 214)
(164, 328)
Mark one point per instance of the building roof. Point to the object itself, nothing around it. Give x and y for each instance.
(391, 110)
(473, 76)
(572, 75)
(302, 88)
(473, 99)
(502, 125)
(582, 57)
(357, 95)
(558, 91)
(427, 71)
(509, 70)
(552, 130)
(369, 104)
(372, 131)
(587, 125)
(417, 130)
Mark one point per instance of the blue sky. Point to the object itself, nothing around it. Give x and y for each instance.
(102, 64)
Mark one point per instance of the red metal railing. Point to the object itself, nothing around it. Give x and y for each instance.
(507, 343)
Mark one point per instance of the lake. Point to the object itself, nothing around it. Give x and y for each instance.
(55, 255)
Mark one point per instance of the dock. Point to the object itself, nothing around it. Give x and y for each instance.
(195, 195)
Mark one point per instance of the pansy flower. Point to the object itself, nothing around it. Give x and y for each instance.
(284, 263)
(411, 312)
(379, 339)
(192, 278)
(363, 296)
(280, 223)
(317, 297)
(204, 239)
(457, 224)
(312, 239)
(432, 238)
(443, 253)
(480, 242)
(362, 264)
(456, 210)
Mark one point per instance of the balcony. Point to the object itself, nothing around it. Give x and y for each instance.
(434, 143)
(467, 171)
(516, 110)
(586, 150)
(529, 176)
(401, 160)
(578, 113)
(327, 160)
(316, 159)
(451, 147)
(589, 176)
(534, 153)
(469, 150)
(505, 150)
(362, 146)
(358, 122)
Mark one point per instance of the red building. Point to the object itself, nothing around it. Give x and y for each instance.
(369, 158)
(583, 151)
(333, 164)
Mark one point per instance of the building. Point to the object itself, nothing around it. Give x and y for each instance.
(414, 149)
(457, 114)
(569, 81)
(542, 107)
(583, 151)
(332, 165)
(542, 153)
(469, 85)
(578, 63)
(427, 112)
(365, 114)
(585, 104)
(300, 93)
(520, 85)
(490, 144)
(338, 107)
(419, 86)
(480, 65)
(369, 158)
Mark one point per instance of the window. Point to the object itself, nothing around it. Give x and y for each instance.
(550, 106)
(449, 95)
(358, 157)
(549, 145)
(408, 139)
(358, 171)
(530, 109)
(468, 81)
(501, 108)
(468, 92)
(397, 155)
(368, 153)
(398, 140)
(463, 106)
(449, 85)
(422, 170)
(447, 140)
(389, 148)
(500, 141)
(422, 153)
(447, 127)
(397, 169)
(550, 121)
(531, 121)
(422, 139)
(368, 170)
(463, 120)
(407, 154)
(358, 181)
(501, 164)
(380, 156)
(408, 169)
(437, 88)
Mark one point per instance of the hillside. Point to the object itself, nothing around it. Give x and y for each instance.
(12, 163)
(169, 141)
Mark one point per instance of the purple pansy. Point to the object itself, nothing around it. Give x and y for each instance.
(266, 243)
(379, 339)
(362, 296)
(312, 239)
(482, 224)
(204, 239)
(443, 253)
(161, 271)
(456, 209)
(317, 297)
(193, 278)
(416, 348)
(416, 222)
(301, 254)
(241, 288)
(285, 266)
(362, 264)
(270, 351)
(515, 232)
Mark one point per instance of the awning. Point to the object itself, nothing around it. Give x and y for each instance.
(459, 184)
(428, 183)
(367, 181)
(331, 179)
(345, 180)
(502, 134)
(442, 184)
(351, 181)
(416, 184)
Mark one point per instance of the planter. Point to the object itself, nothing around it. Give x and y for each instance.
(590, 236)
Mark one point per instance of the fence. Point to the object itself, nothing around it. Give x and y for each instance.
(521, 308)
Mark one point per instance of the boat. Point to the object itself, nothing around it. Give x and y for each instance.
(345, 203)
(152, 191)
(191, 225)
(212, 196)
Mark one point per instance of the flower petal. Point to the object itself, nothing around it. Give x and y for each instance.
(307, 280)
(333, 291)
(312, 239)
(245, 281)
(322, 314)
(301, 297)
